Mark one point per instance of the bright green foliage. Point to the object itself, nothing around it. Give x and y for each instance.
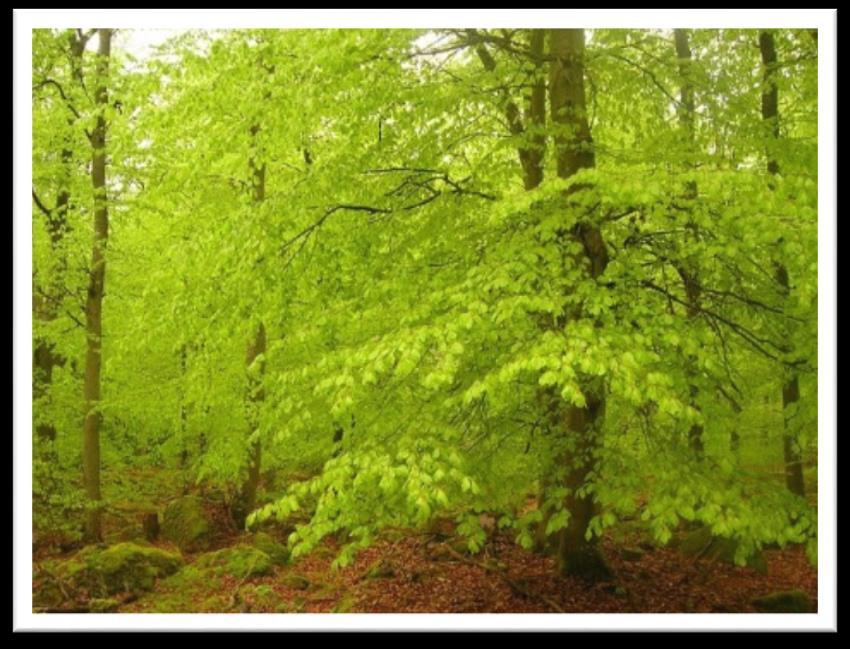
(404, 278)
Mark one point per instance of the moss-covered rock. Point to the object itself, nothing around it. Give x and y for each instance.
(278, 553)
(240, 561)
(792, 601)
(98, 572)
(702, 543)
(186, 524)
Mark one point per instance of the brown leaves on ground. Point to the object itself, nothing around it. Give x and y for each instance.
(418, 575)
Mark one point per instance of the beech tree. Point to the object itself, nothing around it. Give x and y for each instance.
(543, 275)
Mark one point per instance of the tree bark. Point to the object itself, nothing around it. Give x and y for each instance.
(577, 555)
(247, 499)
(531, 152)
(47, 297)
(791, 388)
(689, 276)
(94, 298)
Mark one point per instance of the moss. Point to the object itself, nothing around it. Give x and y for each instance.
(105, 605)
(192, 590)
(185, 523)
(792, 601)
(279, 554)
(126, 567)
(47, 591)
(258, 598)
(239, 561)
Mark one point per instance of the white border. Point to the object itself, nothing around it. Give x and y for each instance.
(822, 19)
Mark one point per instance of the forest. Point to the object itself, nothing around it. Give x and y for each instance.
(425, 321)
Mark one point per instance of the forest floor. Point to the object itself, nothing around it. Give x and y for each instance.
(417, 572)
(416, 577)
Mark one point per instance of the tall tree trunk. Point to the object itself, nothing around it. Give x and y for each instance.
(247, 499)
(791, 388)
(94, 297)
(577, 555)
(48, 297)
(689, 276)
(248, 494)
(536, 114)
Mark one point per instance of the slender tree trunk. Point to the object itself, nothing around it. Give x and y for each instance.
(94, 298)
(184, 442)
(48, 297)
(248, 493)
(536, 114)
(578, 555)
(791, 388)
(689, 276)
(532, 150)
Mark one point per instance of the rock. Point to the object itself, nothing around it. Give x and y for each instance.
(792, 601)
(103, 605)
(702, 543)
(126, 567)
(631, 554)
(185, 523)
(278, 553)
(239, 561)
(296, 581)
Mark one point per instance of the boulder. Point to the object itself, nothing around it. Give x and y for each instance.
(239, 561)
(791, 601)
(96, 573)
(186, 524)
(278, 553)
